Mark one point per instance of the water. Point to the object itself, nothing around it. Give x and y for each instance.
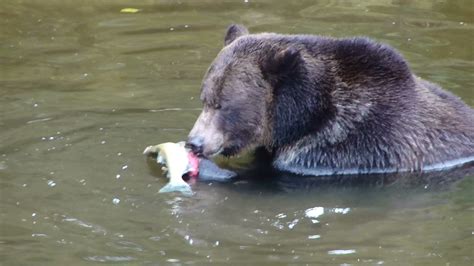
(84, 88)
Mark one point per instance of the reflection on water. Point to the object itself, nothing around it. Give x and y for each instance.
(83, 88)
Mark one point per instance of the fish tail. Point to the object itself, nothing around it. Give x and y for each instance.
(184, 188)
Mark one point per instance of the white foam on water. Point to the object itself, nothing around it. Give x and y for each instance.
(341, 210)
(341, 251)
(51, 183)
(293, 223)
(314, 212)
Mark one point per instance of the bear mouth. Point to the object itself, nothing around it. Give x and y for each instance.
(230, 151)
(201, 154)
(224, 151)
(214, 154)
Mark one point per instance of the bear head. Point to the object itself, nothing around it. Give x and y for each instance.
(243, 92)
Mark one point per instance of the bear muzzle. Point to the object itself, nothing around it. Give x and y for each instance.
(206, 139)
(195, 144)
(198, 147)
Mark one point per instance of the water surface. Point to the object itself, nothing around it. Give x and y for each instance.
(84, 88)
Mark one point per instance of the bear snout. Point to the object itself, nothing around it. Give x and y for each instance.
(206, 139)
(195, 144)
(209, 145)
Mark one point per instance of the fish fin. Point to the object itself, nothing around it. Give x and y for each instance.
(151, 150)
(184, 188)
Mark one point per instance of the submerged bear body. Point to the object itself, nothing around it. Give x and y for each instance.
(328, 106)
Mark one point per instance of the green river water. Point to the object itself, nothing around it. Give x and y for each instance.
(84, 88)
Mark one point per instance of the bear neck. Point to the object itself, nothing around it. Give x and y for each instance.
(301, 105)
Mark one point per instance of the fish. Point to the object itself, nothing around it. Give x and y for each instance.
(210, 171)
(178, 161)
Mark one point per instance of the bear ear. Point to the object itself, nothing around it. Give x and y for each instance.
(282, 62)
(234, 31)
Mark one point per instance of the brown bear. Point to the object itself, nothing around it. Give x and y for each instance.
(323, 106)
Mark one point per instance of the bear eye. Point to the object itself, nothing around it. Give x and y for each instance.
(217, 106)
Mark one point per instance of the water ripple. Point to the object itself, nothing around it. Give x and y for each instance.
(109, 258)
(125, 245)
(94, 228)
(341, 252)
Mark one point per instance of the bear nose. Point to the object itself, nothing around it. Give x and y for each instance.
(195, 144)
